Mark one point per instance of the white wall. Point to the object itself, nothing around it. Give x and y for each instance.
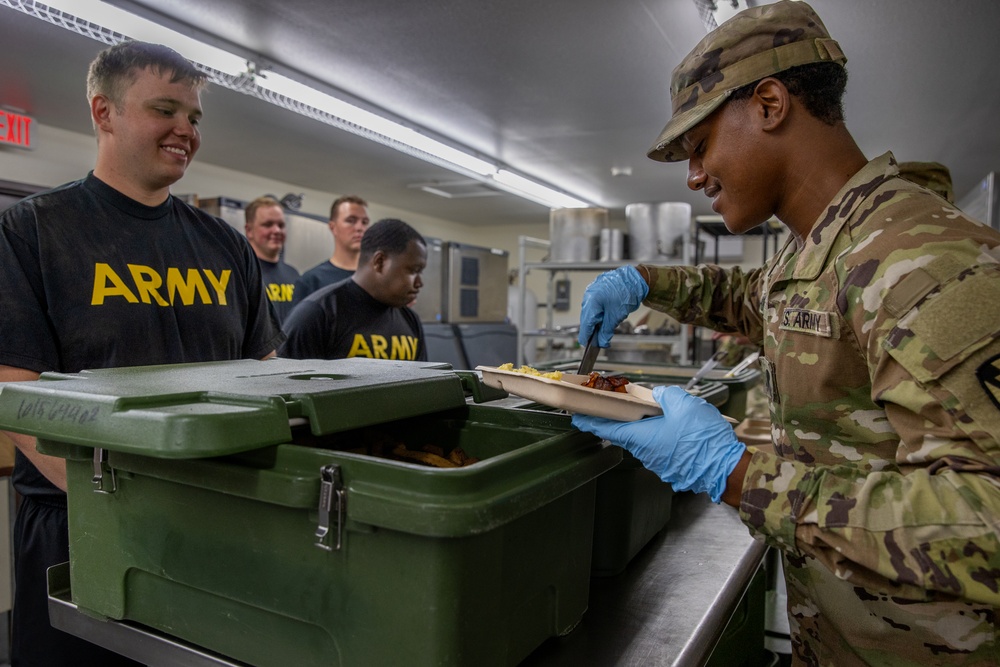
(64, 156)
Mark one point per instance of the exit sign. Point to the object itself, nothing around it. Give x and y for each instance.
(15, 129)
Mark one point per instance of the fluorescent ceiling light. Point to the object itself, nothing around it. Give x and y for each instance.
(294, 90)
(138, 28)
(234, 72)
(520, 185)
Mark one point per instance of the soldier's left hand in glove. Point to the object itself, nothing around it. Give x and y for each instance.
(691, 446)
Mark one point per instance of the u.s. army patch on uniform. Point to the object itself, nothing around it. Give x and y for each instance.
(815, 322)
(988, 375)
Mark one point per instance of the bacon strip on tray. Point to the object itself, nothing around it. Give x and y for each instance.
(607, 383)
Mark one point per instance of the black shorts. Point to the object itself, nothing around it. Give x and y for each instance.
(41, 539)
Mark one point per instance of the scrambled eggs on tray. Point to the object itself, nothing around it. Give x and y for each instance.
(528, 370)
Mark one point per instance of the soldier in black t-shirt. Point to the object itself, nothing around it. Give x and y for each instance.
(113, 271)
(367, 314)
(265, 227)
(348, 222)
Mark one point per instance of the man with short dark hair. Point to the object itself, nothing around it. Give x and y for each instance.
(879, 326)
(113, 271)
(265, 229)
(348, 222)
(366, 315)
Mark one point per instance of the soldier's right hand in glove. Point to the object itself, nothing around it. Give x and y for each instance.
(691, 446)
(609, 300)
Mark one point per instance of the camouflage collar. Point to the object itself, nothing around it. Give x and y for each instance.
(808, 262)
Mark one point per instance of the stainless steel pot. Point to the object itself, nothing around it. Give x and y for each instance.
(657, 230)
(574, 233)
(612, 245)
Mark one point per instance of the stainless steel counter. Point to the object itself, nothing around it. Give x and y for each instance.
(672, 602)
(669, 607)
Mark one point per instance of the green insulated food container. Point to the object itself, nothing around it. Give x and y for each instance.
(633, 504)
(235, 505)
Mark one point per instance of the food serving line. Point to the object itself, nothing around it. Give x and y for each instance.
(322, 484)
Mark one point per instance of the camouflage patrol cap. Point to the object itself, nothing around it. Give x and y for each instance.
(754, 44)
(932, 175)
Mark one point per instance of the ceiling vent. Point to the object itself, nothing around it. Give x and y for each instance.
(463, 189)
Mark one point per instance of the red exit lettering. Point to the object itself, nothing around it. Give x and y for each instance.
(15, 129)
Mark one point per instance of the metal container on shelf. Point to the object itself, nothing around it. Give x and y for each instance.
(612, 245)
(657, 230)
(241, 506)
(574, 233)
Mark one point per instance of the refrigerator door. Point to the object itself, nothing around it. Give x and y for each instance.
(476, 284)
(429, 305)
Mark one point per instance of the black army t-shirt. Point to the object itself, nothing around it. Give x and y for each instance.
(317, 278)
(279, 283)
(93, 279)
(343, 320)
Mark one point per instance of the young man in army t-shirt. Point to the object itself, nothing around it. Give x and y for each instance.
(113, 271)
(366, 315)
(265, 228)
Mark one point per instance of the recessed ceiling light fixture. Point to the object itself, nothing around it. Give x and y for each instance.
(109, 24)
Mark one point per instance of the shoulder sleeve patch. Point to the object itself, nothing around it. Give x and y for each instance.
(988, 375)
(945, 329)
(912, 289)
(962, 314)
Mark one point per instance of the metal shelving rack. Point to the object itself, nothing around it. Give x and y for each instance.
(680, 341)
(716, 228)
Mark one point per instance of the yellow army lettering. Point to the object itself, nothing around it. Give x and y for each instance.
(402, 347)
(280, 292)
(148, 285)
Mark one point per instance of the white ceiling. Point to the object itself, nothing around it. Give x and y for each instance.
(562, 90)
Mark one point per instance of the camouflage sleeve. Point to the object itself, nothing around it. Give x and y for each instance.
(927, 524)
(726, 300)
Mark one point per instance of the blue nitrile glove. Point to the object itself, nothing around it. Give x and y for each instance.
(691, 446)
(608, 300)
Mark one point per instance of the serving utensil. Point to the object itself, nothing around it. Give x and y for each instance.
(590, 353)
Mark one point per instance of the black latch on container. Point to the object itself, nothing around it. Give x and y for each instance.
(332, 499)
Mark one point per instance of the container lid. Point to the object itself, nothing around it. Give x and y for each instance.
(218, 408)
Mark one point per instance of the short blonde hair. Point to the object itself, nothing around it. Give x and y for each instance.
(260, 202)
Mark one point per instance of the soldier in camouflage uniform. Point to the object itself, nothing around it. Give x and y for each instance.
(879, 324)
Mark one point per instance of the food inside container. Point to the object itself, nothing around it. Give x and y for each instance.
(426, 450)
